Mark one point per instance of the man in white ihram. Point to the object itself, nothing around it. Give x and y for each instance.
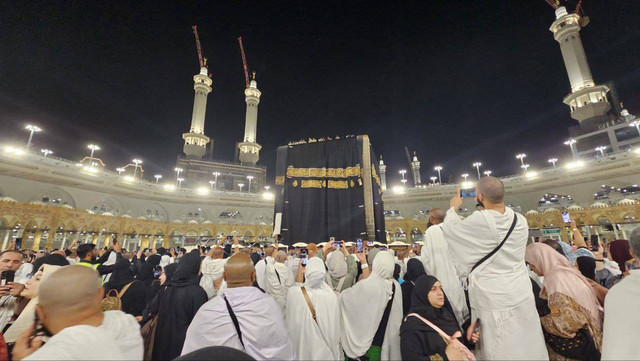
(437, 261)
(499, 287)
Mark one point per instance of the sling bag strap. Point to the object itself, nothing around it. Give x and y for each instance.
(378, 338)
(278, 275)
(466, 291)
(234, 319)
(306, 298)
(124, 289)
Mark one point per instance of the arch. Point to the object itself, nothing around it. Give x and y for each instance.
(195, 214)
(110, 205)
(154, 212)
(54, 196)
(232, 216)
(264, 219)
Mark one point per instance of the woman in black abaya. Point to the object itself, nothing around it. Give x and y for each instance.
(179, 302)
(134, 298)
(415, 269)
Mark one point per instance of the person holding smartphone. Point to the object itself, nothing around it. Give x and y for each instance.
(10, 262)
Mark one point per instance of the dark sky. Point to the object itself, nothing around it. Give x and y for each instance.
(456, 81)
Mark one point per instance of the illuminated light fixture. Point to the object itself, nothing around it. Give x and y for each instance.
(90, 169)
(13, 150)
(438, 169)
(467, 185)
(398, 189)
(157, 177)
(601, 149)
(575, 165)
(487, 173)
(78, 165)
(32, 129)
(465, 175)
(637, 151)
(553, 160)
(46, 152)
(169, 187)
(202, 190)
(129, 178)
(532, 175)
(267, 195)
(119, 170)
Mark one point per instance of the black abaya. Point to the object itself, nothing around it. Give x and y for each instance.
(134, 299)
(415, 269)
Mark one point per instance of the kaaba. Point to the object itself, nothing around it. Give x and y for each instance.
(328, 188)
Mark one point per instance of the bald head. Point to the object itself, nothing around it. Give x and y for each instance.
(634, 241)
(436, 216)
(281, 256)
(491, 189)
(69, 290)
(269, 250)
(218, 253)
(312, 248)
(239, 271)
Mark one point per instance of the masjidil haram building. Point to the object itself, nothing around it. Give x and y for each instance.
(50, 202)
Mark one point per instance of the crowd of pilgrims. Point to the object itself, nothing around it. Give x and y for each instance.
(475, 289)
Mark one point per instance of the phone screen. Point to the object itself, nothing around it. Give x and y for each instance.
(566, 218)
(468, 193)
(369, 244)
(594, 244)
(6, 277)
(337, 244)
(359, 248)
(18, 243)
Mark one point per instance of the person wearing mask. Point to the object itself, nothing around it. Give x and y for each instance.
(489, 246)
(88, 255)
(181, 299)
(312, 315)
(415, 269)
(622, 310)
(244, 318)
(573, 328)
(342, 268)
(261, 267)
(438, 261)
(278, 278)
(69, 310)
(212, 268)
(375, 335)
(132, 292)
(419, 340)
(10, 261)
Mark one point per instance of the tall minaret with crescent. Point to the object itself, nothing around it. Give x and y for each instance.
(249, 148)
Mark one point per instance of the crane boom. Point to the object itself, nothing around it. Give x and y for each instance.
(553, 3)
(406, 150)
(244, 62)
(195, 31)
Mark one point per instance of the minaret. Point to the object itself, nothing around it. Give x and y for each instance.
(415, 169)
(195, 142)
(588, 102)
(249, 149)
(383, 174)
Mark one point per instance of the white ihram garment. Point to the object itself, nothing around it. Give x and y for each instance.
(125, 330)
(278, 281)
(261, 272)
(79, 343)
(436, 258)
(314, 340)
(622, 317)
(500, 288)
(212, 270)
(362, 307)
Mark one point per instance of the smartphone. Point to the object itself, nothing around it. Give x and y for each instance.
(566, 218)
(337, 244)
(304, 256)
(18, 243)
(468, 193)
(594, 244)
(414, 245)
(279, 238)
(115, 241)
(359, 248)
(157, 271)
(6, 277)
(369, 244)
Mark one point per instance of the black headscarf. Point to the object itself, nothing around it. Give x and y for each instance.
(587, 267)
(442, 317)
(121, 275)
(170, 270)
(187, 271)
(396, 271)
(146, 270)
(52, 259)
(415, 269)
(255, 258)
(215, 353)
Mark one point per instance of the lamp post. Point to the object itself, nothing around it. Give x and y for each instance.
(180, 181)
(157, 177)
(487, 173)
(249, 177)
(215, 178)
(570, 143)
(438, 169)
(46, 152)
(525, 167)
(404, 183)
(465, 175)
(32, 129)
(137, 162)
(601, 149)
(93, 148)
(240, 185)
(635, 123)
(477, 165)
(211, 183)
(266, 188)
(119, 170)
(433, 179)
(178, 170)
(521, 156)
(403, 172)
(553, 160)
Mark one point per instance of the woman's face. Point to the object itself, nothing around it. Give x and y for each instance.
(162, 278)
(535, 270)
(31, 287)
(436, 296)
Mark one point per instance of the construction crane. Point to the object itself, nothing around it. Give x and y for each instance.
(244, 63)
(203, 61)
(584, 19)
(406, 150)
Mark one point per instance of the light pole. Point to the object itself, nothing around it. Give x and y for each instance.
(553, 160)
(525, 167)
(46, 152)
(404, 183)
(477, 165)
(601, 150)
(93, 148)
(137, 162)
(178, 170)
(266, 188)
(180, 181)
(433, 179)
(32, 129)
(215, 178)
(438, 169)
(249, 177)
(521, 156)
(465, 176)
(211, 183)
(635, 123)
(119, 170)
(487, 173)
(240, 185)
(403, 172)
(157, 177)
(570, 143)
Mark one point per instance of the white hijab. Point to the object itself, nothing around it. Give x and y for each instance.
(359, 324)
(313, 341)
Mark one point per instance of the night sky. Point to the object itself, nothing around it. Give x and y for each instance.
(456, 81)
